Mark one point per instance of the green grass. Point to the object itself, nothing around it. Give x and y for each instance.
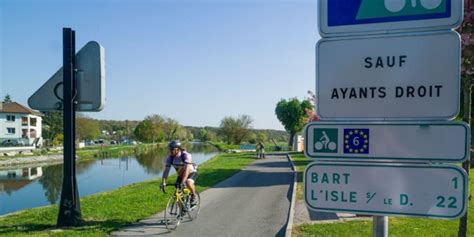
(300, 162)
(105, 212)
(397, 226)
(224, 146)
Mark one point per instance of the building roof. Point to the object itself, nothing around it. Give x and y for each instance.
(14, 107)
(13, 185)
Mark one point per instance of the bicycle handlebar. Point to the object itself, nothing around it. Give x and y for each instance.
(181, 185)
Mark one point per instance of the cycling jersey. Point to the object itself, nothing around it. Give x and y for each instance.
(179, 162)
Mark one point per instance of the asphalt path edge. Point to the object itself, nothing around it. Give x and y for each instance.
(291, 214)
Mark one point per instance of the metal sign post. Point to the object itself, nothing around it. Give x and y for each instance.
(69, 208)
(380, 226)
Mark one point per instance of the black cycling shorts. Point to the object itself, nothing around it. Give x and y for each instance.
(192, 176)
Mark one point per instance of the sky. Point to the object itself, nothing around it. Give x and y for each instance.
(196, 61)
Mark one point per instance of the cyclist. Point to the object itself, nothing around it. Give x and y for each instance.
(325, 140)
(181, 161)
(261, 152)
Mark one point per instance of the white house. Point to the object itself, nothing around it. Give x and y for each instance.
(19, 125)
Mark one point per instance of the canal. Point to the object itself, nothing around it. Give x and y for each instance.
(24, 188)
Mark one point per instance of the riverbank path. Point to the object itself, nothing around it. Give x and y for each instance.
(254, 202)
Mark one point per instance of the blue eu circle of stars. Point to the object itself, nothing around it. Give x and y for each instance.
(356, 141)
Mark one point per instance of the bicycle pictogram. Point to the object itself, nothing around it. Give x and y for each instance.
(325, 143)
(325, 140)
(397, 5)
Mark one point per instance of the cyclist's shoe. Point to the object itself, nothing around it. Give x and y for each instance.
(193, 200)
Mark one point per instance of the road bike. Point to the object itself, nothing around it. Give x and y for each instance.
(179, 205)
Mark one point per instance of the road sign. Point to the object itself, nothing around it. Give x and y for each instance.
(343, 17)
(437, 191)
(396, 77)
(90, 67)
(400, 141)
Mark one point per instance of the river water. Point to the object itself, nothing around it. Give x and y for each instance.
(24, 188)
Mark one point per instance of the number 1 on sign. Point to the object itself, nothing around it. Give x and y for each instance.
(455, 181)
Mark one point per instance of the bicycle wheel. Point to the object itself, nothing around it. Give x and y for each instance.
(193, 210)
(173, 214)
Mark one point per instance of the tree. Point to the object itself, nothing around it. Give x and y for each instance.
(182, 134)
(292, 114)
(171, 128)
(143, 131)
(205, 135)
(235, 130)
(150, 129)
(7, 99)
(52, 125)
(252, 138)
(261, 137)
(86, 128)
(311, 112)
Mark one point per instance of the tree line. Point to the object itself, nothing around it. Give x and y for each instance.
(158, 128)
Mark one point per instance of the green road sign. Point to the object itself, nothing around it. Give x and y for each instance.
(325, 140)
(370, 9)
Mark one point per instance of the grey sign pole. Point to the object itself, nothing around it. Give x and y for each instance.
(380, 226)
(69, 208)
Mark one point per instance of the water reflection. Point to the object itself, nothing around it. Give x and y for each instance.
(53, 177)
(152, 160)
(11, 180)
(28, 187)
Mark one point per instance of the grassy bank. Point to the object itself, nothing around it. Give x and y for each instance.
(397, 226)
(105, 212)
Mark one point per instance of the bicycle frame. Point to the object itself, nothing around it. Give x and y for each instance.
(180, 206)
(180, 193)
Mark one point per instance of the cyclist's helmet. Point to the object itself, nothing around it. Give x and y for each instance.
(174, 144)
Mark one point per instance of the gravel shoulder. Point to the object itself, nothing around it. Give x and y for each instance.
(15, 162)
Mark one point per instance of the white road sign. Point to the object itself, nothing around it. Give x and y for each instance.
(341, 17)
(395, 77)
(401, 141)
(436, 191)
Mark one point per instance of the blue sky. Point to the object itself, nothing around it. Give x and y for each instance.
(195, 61)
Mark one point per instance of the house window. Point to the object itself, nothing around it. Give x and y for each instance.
(11, 118)
(32, 133)
(24, 133)
(25, 172)
(11, 174)
(33, 121)
(11, 130)
(24, 121)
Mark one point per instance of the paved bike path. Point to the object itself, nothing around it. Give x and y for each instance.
(254, 202)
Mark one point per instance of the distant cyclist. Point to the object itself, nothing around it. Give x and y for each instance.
(182, 163)
(261, 153)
